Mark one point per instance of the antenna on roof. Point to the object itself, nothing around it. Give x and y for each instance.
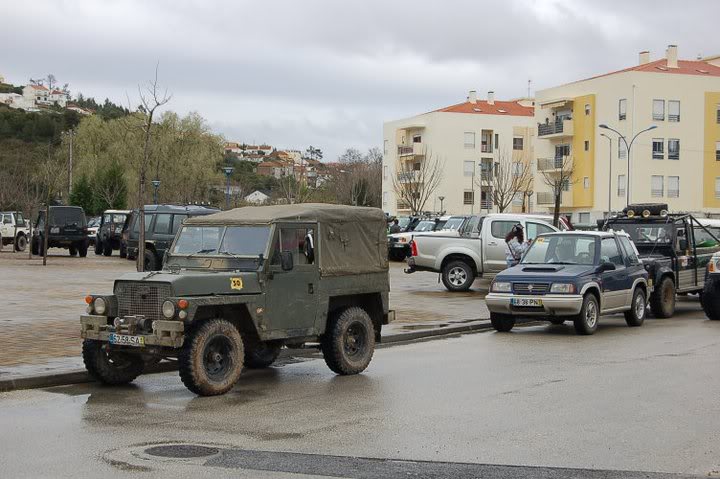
(529, 83)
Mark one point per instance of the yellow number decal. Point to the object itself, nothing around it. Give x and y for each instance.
(236, 283)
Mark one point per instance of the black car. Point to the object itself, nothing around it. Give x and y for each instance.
(161, 224)
(67, 229)
(110, 231)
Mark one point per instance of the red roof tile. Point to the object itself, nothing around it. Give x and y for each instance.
(482, 107)
(685, 67)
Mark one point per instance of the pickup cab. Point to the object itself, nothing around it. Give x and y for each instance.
(477, 252)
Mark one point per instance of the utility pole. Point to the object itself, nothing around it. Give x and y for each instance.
(71, 134)
(611, 175)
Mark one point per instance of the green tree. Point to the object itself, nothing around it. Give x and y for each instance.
(82, 195)
(110, 188)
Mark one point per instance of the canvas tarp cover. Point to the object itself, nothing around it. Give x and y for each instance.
(351, 240)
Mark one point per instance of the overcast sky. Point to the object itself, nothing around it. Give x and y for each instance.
(328, 73)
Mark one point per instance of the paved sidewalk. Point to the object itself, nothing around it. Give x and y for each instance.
(39, 318)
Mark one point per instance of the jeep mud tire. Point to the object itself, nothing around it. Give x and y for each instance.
(98, 246)
(503, 323)
(711, 297)
(21, 243)
(261, 354)
(635, 316)
(586, 322)
(82, 249)
(107, 248)
(112, 367)
(349, 341)
(150, 261)
(662, 301)
(211, 359)
(457, 276)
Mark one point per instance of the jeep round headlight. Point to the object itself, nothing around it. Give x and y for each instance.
(168, 309)
(100, 306)
(501, 287)
(562, 288)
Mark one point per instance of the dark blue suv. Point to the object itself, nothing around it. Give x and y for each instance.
(572, 276)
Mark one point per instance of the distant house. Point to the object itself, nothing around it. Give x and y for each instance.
(258, 197)
(274, 168)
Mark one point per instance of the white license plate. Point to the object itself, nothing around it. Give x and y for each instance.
(527, 302)
(398, 245)
(126, 340)
(54, 230)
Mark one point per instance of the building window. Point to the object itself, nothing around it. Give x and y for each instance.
(565, 185)
(658, 110)
(673, 187)
(587, 145)
(622, 151)
(587, 108)
(385, 172)
(417, 139)
(717, 151)
(717, 187)
(673, 110)
(468, 168)
(486, 141)
(416, 166)
(518, 143)
(622, 109)
(657, 186)
(673, 149)
(658, 151)
(717, 113)
(469, 139)
(561, 151)
(385, 198)
(497, 140)
(518, 169)
(385, 147)
(586, 182)
(469, 198)
(622, 184)
(584, 218)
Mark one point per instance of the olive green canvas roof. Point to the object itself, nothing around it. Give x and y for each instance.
(304, 212)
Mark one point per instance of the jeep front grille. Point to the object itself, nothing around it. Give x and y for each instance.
(530, 288)
(141, 298)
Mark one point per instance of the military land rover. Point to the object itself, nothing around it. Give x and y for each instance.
(237, 286)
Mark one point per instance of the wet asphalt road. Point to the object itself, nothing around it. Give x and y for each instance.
(641, 399)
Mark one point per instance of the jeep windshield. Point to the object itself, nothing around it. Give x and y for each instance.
(561, 249)
(243, 241)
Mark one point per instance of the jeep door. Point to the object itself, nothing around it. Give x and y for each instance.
(686, 262)
(616, 284)
(291, 296)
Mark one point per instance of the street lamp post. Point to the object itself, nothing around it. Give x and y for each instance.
(156, 185)
(628, 147)
(441, 198)
(610, 177)
(228, 170)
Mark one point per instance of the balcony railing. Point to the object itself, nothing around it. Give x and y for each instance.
(547, 164)
(405, 150)
(553, 128)
(407, 176)
(545, 198)
(486, 204)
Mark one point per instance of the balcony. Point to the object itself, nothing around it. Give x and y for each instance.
(550, 164)
(416, 149)
(556, 129)
(407, 176)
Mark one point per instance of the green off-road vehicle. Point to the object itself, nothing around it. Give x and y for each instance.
(240, 284)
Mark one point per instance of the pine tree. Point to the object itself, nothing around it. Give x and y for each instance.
(82, 195)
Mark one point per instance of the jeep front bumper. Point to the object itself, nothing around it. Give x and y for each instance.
(552, 304)
(164, 333)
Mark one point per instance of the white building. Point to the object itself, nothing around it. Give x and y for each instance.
(468, 138)
(258, 197)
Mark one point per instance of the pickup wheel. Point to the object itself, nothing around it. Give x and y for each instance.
(587, 321)
(21, 243)
(211, 359)
(636, 315)
(260, 354)
(349, 341)
(662, 301)
(711, 298)
(457, 276)
(110, 367)
(502, 323)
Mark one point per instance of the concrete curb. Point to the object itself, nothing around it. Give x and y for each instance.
(79, 376)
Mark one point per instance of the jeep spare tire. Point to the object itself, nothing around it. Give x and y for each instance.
(211, 359)
(457, 276)
(349, 341)
(260, 354)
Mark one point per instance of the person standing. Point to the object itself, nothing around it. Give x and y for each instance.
(515, 245)
(395, 228)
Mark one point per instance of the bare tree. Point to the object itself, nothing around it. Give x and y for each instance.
(558, 176)
(293, 190)
(417, 179)
(51, 81)
(505, 179)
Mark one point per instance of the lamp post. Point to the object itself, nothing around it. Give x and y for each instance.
(628, 147)
(610, 177)
(156, 185)
(441, 198)
(228, 170)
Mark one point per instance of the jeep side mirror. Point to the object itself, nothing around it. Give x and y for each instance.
(606, 266)
(286, 260)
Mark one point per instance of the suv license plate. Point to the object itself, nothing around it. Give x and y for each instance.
(54, 230)
(125, 340)
(526, 302)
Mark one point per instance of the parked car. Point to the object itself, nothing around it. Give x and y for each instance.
(240, 284)
(478, 251)
(572, 276)
(110, 232)
(14, 230)
(93, 225)
(161, 224)
(399, 243)
(711, 289)
(675, 249)
(67, 229)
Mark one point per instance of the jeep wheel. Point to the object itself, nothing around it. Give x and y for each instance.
(72, 250)
(110, 367)
(82, 249)
(98, 246)
(349, 341)
(503, 323)
(662, 301)
(21, 243)
(34, 247)
(107, 248)
(211, 359)
(150, 261)
(711, 298)
(636, 315)
(587, 321)
(457, 276)
(260, 354)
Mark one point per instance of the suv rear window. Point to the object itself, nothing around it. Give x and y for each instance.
(67, 216)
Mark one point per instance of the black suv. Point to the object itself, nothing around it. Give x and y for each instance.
(67, 229)
(161, 224)
(110, 231)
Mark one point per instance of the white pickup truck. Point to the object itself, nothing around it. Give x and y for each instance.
(461, 259)
(14, 230)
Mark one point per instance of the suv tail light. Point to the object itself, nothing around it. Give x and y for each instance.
(413, 248)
